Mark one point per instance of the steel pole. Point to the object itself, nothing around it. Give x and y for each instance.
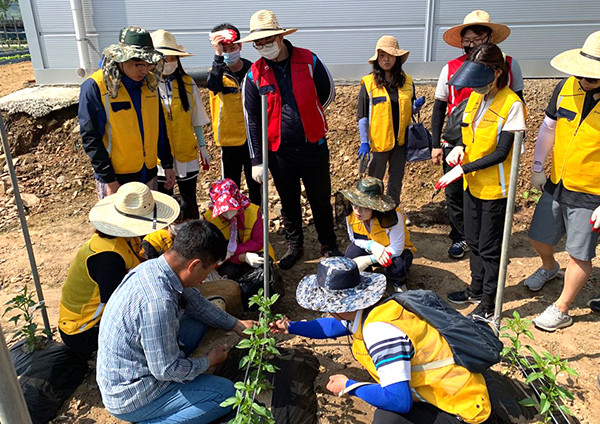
(13, 408)
(19, 202)
(508, 220)
(265, 190)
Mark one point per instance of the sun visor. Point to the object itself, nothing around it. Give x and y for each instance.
(472, 74)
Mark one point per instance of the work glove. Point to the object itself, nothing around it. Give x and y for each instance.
(364, 150)
(450, 176)
(418, 104)
(363, 262)
(538, 180)
(205, 157)
(595, 220)
(257, 173)
(254, 259)
(381, 254)
(455, 156)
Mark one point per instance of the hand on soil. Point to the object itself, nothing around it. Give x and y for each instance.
(280, 326)
(217, 355)
(337, 383)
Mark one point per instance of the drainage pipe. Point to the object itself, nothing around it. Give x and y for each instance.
(85, 63)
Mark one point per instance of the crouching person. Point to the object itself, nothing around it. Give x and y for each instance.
(152, 323)
(416, 380)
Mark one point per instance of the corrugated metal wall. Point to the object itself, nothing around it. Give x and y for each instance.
(342, 32)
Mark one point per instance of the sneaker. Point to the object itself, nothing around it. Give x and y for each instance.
(458, 249)
(541, 276)
(594, 304)
(291, 257)
(329, 252)
(552, 319)
(464, 296)
(482, 312)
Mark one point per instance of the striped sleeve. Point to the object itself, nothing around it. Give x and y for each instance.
(391, 351)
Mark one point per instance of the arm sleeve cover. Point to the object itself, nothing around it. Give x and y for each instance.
(545, 142)
(437, 122)
(164, 147)
(363, 129)
(200, 136)
(107, 269)
(321, 328)
(396, 397)
(499, 155)
(214, 80)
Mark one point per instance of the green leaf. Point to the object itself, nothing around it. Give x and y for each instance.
(571, 371)
(228, 402)
(260, 410)
(244, 344)
(525, 195)
(566, 410)
(529, 334)
(533, 376)
(528, 402)
(240, 385)
(534, 353)
(544, 406)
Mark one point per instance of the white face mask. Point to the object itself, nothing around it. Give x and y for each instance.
(270, 53)
(231, 58)
(483, 90)
(169, 68)
(228, 215)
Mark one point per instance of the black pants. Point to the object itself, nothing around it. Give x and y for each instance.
(420, 413)
(233, 160)
(395, 161)
(186, 185)
(84, 343)
(454, 202)
(483, 233)
(231, 271)
(311, 165)
(396, 273)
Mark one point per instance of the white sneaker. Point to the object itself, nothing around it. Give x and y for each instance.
(541, 276)
(552, 319)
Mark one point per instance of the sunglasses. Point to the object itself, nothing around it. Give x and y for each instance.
(589, 80)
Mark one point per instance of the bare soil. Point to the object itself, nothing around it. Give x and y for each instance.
(53, 169)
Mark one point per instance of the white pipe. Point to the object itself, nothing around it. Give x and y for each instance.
(12, 404)
(85, 63)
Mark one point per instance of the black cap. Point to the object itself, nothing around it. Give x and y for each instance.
(472, 74)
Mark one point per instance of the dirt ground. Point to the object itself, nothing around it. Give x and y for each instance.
(57, 173)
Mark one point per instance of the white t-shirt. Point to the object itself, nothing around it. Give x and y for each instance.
(395, 234)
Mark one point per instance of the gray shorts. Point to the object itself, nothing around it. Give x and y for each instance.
(552, 220)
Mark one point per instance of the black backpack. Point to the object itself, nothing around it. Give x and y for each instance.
(453, 130)
(473, 343)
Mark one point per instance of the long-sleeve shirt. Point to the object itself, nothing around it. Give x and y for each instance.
(139, 355)
(214, 81)
(396, 235)
(254, 244)
(92, 123)
(293, 138)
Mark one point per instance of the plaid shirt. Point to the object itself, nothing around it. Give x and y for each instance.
(138, 354)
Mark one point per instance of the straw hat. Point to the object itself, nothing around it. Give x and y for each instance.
(368, 193)
(264, 24)
(389, 44)
(165, 43)
(134, 210)
(500, 32)
(583, 62)
(223, 292)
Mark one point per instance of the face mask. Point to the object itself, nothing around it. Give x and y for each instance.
(592, 91)
(231, 58)
(483, 90)
(228, 215)
(270, 53)
(174, 228)
(467, 49)
(169, 68)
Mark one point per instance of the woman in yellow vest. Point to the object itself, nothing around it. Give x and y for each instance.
(184, 116)
(415, 382)
(378, 232)
(385, 108)
(492, 116)
(101, 263)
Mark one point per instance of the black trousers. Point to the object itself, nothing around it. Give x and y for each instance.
(233, 160)
(311, 165)
(186, 185)
(420, 413)
(84, 343)
(396, 273)
(454, 202)
(483, 233)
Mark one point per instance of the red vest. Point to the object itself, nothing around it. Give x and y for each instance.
(305, 93)
(458, 95)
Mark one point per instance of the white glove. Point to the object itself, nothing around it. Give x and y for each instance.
(205, 157)
(455, 156)
(363, 262)
(595, 220)
(381, 254)
(538, 180)
(254, 259)
(257, 173)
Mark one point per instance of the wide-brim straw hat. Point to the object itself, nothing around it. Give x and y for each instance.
(133, 211)
(368, 193)
(500, 32)
(264, 24)
(228, 291)
(389, 44)
(583, 62)
(134, 43)
(166, 43)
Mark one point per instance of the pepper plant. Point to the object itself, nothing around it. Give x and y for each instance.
(27, 307)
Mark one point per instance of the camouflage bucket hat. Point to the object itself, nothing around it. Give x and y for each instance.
(338, 287)
(368, 193)
(134, 43)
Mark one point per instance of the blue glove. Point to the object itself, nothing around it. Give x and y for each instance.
(418, 104)
(364, 150)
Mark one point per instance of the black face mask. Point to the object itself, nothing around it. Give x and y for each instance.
(592, 92)
(467, 49)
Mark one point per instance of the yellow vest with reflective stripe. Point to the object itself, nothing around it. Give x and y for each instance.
(492, 182)
(377, 233)
(80, 305)
(179, 124)
(122, 138)
(381, 124)
(161, 240)
(434, 376)
(576, 152)
(227, 112)
(244, 234)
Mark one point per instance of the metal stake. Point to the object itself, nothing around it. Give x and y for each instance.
(265, 190)
(13, 408)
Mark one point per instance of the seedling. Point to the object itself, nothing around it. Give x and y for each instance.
(532, 194)
(27, 307)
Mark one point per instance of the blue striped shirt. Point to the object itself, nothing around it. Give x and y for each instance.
(138, 350)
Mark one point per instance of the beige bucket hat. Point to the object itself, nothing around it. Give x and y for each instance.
(500, 32)
(166, 43)
(133, 211)
(389, 44)
(583, 62)
(264, 24)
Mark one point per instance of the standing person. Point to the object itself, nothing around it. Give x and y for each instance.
(152, 323)
(122, 124)
(385, 108)
(103, 261)
(299, 88)
(185, 115)
(571, 198)
(476, 29)
(224, 83)
(492, 116)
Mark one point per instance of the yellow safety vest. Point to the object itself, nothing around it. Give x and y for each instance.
(381, 124)
(122, 138)
(80, 305)
(182, 137)
(576, 152)
(435, 378)
(229, 127)
(377, 233)
(489, 183)
(161, 240)
(250, 217)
